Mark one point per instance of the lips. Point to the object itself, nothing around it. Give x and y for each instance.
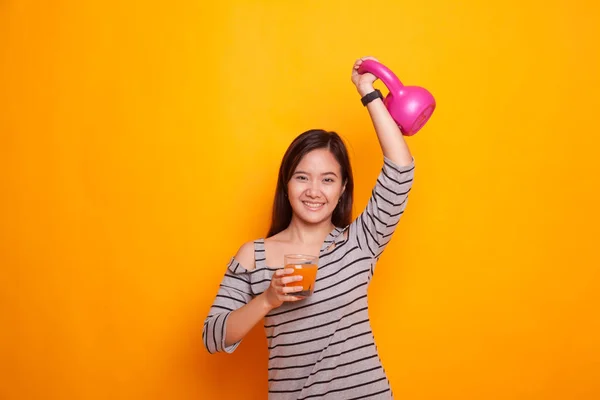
(313, 206)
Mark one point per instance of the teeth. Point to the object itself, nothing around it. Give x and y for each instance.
(313, 205)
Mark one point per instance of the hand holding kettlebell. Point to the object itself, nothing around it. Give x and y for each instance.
(410, 106)
(363, 81)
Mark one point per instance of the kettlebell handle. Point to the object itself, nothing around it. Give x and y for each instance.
(389, 79)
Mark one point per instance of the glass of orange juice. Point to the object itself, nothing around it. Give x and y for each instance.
(306, 266)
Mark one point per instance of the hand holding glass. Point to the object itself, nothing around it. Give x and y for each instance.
(305, 266)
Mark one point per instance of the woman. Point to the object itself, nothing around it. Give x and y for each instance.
(320, 346)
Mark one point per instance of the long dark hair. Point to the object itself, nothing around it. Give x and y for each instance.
(302, 145)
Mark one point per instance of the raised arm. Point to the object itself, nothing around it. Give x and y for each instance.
(375, 226)
(390, 137)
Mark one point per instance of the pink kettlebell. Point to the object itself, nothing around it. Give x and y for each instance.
(409, 106)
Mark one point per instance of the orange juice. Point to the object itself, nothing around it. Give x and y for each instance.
(309, 275)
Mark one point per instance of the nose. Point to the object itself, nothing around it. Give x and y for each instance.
(314, 190)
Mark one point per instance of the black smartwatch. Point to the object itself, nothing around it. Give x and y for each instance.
(369, 97)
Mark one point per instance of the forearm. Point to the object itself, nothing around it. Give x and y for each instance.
(389, 135)
(242, 320)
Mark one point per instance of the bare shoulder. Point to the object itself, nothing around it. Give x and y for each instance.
(245, 256)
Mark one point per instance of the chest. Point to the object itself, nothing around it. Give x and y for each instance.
(340, 290)
(276, 252)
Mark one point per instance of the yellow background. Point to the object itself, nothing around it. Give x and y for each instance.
(139, 146)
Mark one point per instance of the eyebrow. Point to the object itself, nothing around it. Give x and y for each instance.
(323, 174)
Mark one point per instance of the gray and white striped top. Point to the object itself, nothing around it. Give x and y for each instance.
(323, 346)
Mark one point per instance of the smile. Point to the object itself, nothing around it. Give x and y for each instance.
(313, 206)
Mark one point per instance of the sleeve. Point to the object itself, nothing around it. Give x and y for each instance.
(234, 292)
(375, 226)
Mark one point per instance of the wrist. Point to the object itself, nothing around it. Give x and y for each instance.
(365, 89)
(264, 302)
(371, 96)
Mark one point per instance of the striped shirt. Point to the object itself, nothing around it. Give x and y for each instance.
(323, 346)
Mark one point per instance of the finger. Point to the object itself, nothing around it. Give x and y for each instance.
(284, 271)
(290, 279)
(293, 298)
(291, 289)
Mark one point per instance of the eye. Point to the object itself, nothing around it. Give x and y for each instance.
(329, 180)
(301, 178)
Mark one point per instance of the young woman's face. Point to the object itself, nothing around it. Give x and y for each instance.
(316, 186)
